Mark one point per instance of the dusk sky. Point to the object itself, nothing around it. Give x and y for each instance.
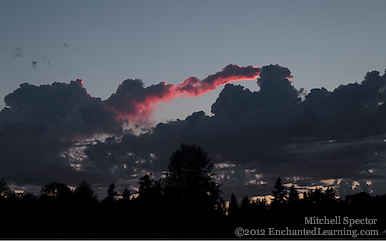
(303, 103)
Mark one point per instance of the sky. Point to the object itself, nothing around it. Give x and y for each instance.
(264, 125)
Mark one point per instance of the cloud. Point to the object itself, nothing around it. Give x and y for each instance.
(47, 132)
(273, 74)
(41, 122)
(136, 103)
(326, 135)
(194, 87)
(44, 129)
(66, 109)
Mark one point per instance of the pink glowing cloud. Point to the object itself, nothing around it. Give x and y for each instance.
(134, 102)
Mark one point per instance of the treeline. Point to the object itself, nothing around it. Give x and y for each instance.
(187, 203)
(289, 208)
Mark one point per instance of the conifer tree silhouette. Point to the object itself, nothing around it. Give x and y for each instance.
(234, 208)
(190, 180)
(126, 197)
(111, 194)
(294, 203)
(279, 196)
(293, 194)
(245, 205)
(150, 191)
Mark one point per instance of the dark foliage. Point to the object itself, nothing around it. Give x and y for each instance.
(189, 182)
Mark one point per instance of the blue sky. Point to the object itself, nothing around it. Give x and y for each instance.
(323, 44)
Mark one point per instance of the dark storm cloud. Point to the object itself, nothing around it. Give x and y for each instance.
(273, 74)
(40, 122)
(252, 137)
(65, 108)
(44, 128)
(275, 92)
(327, 135)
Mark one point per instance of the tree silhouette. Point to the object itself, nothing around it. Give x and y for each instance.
(111, 193)
(58, 196)
(293, 194)
(329, 194)
(279, 196)
(60, 213)
(189, 182)
(360, 202)
(84, 194)
(56, 190)
(260, 204)
(125, 197)
(5, 192)
(234, 208)
(294, 204)
(145, 183)
(84, 190)
(150, 191)
(29, 197)
(245, 205)
(315, 197)
(221, 207)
